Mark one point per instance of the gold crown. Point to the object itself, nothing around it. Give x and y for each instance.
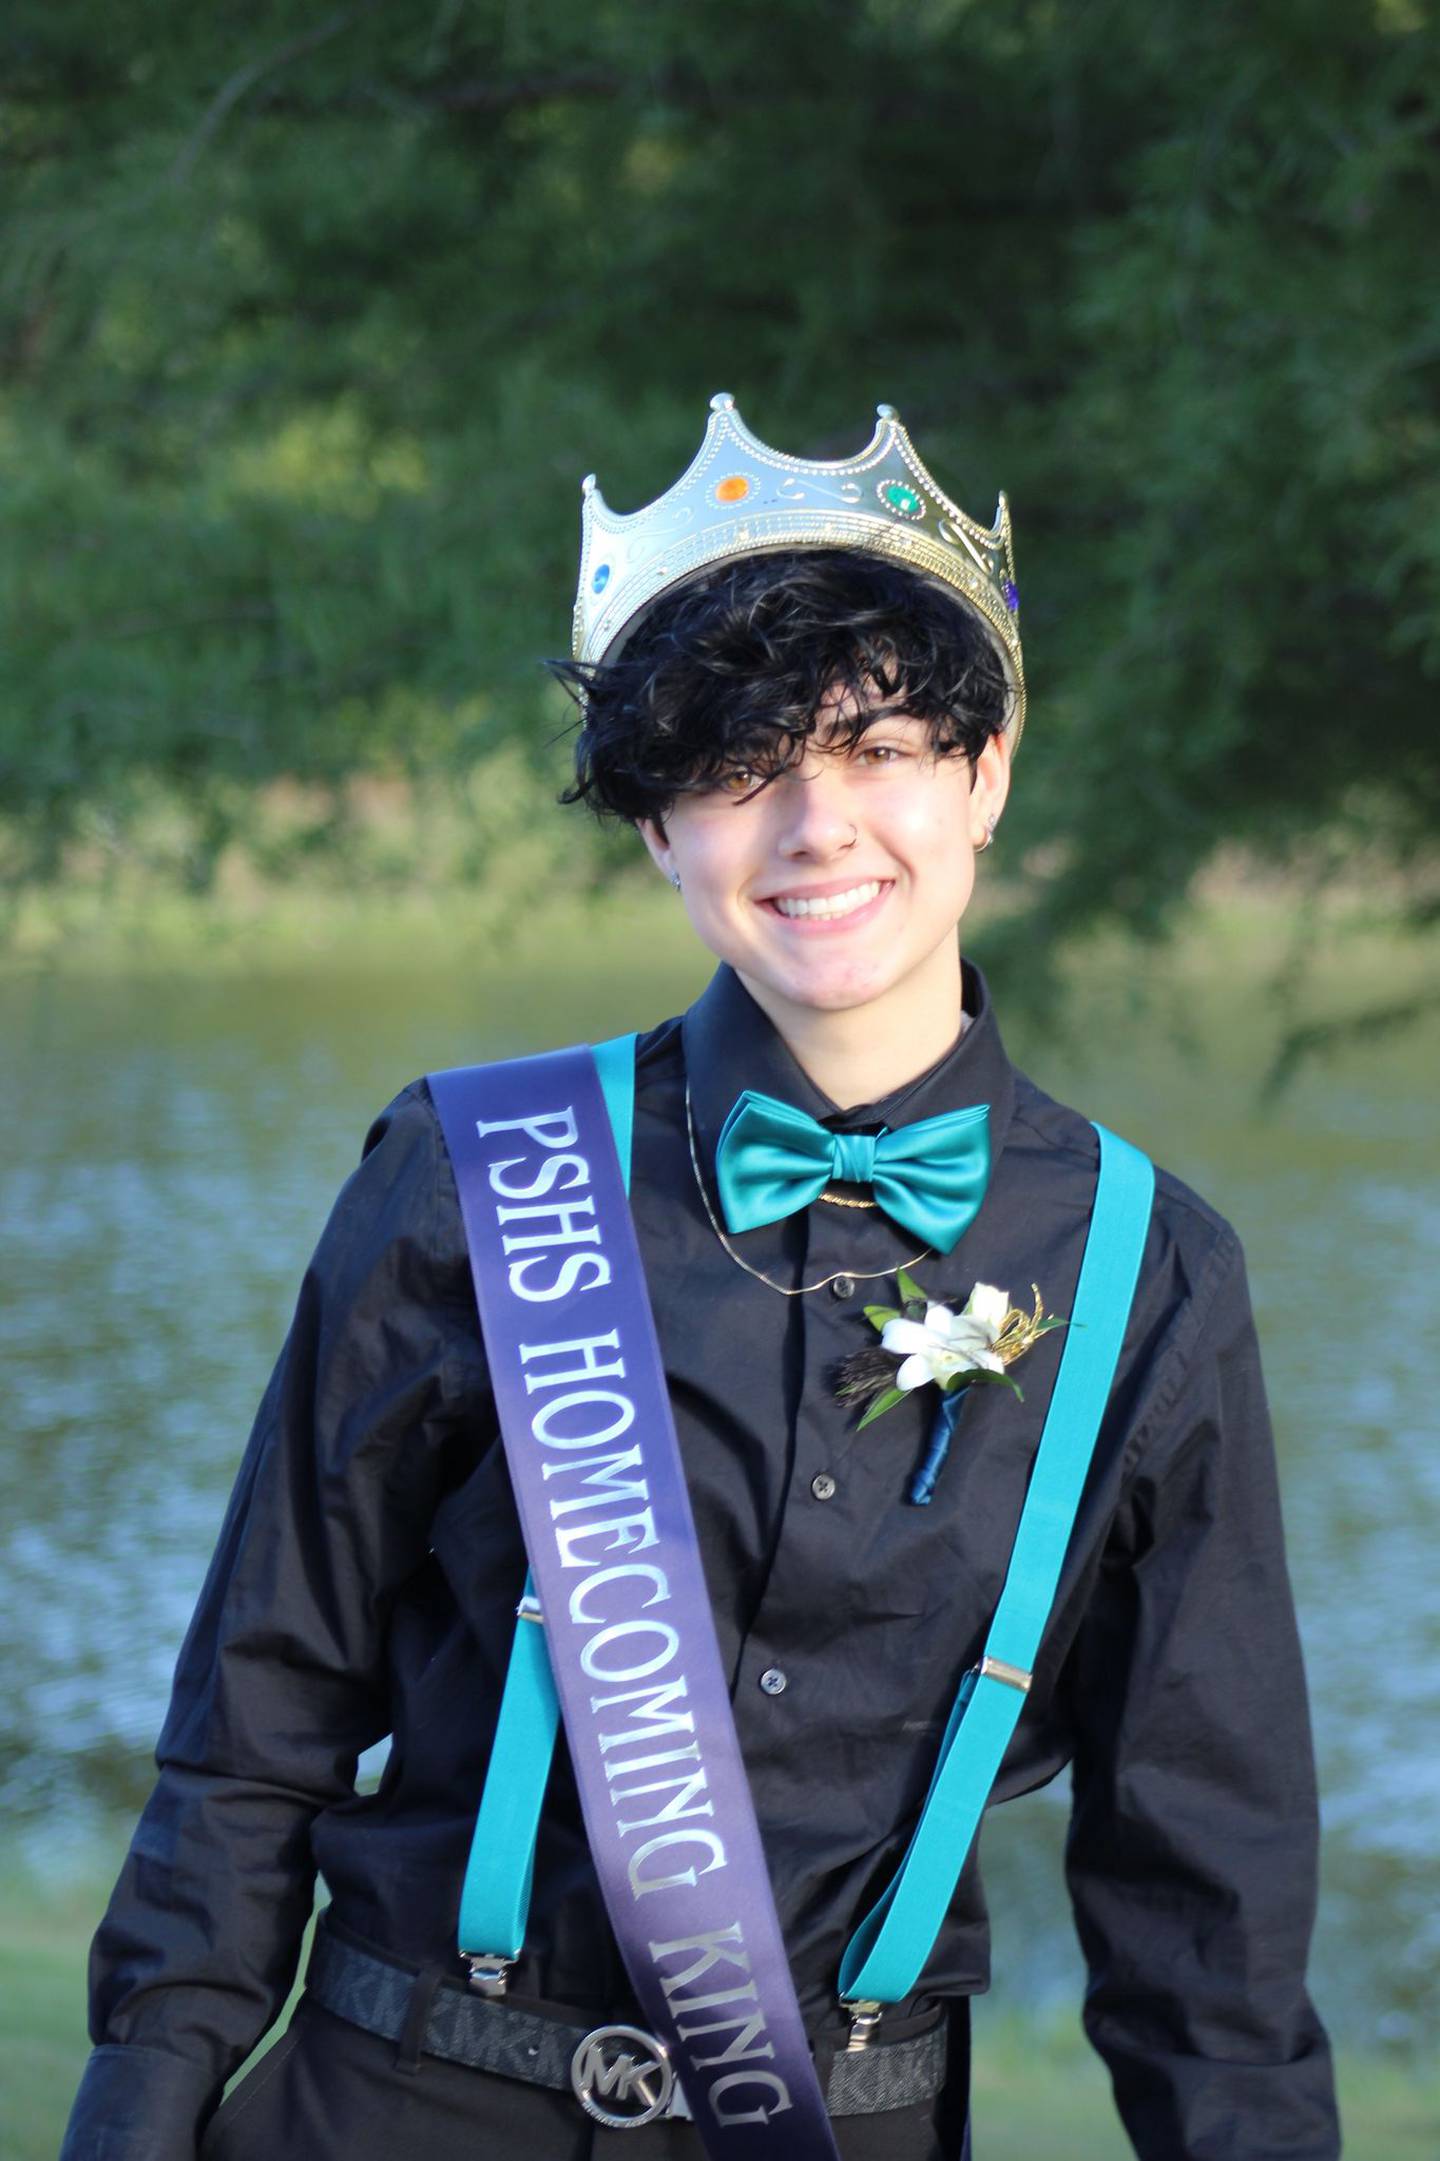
(739, 497)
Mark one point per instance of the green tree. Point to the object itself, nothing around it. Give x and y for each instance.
(313, 318)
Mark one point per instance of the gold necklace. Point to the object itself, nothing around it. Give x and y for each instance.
(855, 1275)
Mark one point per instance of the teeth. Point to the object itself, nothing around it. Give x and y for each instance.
(832, 903)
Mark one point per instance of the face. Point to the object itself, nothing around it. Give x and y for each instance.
(839, 884)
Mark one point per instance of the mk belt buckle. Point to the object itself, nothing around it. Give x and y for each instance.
(625, 2065)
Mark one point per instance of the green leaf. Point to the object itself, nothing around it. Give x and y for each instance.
(909, 1289)
(877, 1316)
(998, 1380)
(878, 1408)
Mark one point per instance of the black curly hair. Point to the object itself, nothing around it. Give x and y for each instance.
(736, 668)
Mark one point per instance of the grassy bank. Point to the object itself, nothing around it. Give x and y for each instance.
(1299, 953)
(1047, 2098)
(1039, 2096)
(1290, 975)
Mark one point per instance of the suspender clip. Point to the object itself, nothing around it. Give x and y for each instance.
(489, 1972)
(1013, 1676)
(529, 1608)
(865, 2015)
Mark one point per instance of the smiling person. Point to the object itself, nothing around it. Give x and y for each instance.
(804, 1578)
(835, 897)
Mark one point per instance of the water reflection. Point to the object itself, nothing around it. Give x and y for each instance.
(174, 1148)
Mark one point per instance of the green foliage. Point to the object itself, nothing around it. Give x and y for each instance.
(311, 320)
(880, 1406)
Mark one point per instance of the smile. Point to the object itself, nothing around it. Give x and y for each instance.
(828, 907)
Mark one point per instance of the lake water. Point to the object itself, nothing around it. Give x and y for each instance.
(174, 1144)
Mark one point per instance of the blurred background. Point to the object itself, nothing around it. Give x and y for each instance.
(311, 320)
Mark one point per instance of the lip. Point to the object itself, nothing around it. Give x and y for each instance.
(825, 891)
(818, 926)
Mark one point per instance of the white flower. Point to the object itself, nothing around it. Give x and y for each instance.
(987, 1304)
(946, 1344)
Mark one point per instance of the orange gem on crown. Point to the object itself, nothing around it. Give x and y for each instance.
(732, 489)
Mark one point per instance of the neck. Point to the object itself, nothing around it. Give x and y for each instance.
(864, 1052)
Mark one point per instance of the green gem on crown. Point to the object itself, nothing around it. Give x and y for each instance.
(905, 502)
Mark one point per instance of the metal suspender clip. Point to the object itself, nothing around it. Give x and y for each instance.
(997, 1670)
(529, 1608)
(489, 1972)
(864, 2015)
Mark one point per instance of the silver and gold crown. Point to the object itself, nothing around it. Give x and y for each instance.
(739, 497)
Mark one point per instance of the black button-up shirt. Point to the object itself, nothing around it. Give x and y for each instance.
(367, 1573)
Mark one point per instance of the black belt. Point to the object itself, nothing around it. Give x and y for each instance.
(618, 2073)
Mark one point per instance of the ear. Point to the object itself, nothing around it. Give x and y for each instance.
(652, 832)
(989, 786)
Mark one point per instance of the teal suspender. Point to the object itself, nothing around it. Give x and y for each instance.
(885, 1956)
(883, 1959)
(615, 1060)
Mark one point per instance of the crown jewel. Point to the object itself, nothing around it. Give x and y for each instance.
(739, 497)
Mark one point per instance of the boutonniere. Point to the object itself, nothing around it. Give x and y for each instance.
(925, 1341)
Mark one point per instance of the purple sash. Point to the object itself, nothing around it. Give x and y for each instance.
(595, 1466)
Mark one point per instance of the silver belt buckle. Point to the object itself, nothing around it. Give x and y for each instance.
(626, 2066)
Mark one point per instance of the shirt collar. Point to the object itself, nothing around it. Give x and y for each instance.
(731, 1045)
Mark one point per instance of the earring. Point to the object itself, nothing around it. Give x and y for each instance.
(674, 877)
(989, 840)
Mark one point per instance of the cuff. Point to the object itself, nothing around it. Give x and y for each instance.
(139, 2104)
(1219, 2110)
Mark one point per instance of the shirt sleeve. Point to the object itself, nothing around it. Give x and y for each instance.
(281, 1682)
(1193, 1844)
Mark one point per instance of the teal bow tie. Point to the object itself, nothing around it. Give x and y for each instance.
(773, 1160)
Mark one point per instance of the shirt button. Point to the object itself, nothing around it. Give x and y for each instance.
(823, 1487)
(843, 1287)
(773, 1681)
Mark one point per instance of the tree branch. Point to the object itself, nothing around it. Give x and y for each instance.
(494, 97)
(244, 80)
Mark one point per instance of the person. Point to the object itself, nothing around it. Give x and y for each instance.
(801, 682)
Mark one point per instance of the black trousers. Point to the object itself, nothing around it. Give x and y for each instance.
(328, 2091)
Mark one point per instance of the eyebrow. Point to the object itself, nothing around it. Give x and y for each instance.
(838, 733)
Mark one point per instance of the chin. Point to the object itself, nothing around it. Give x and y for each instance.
(835, 995)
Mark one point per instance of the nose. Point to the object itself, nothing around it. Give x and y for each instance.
(817, 817)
